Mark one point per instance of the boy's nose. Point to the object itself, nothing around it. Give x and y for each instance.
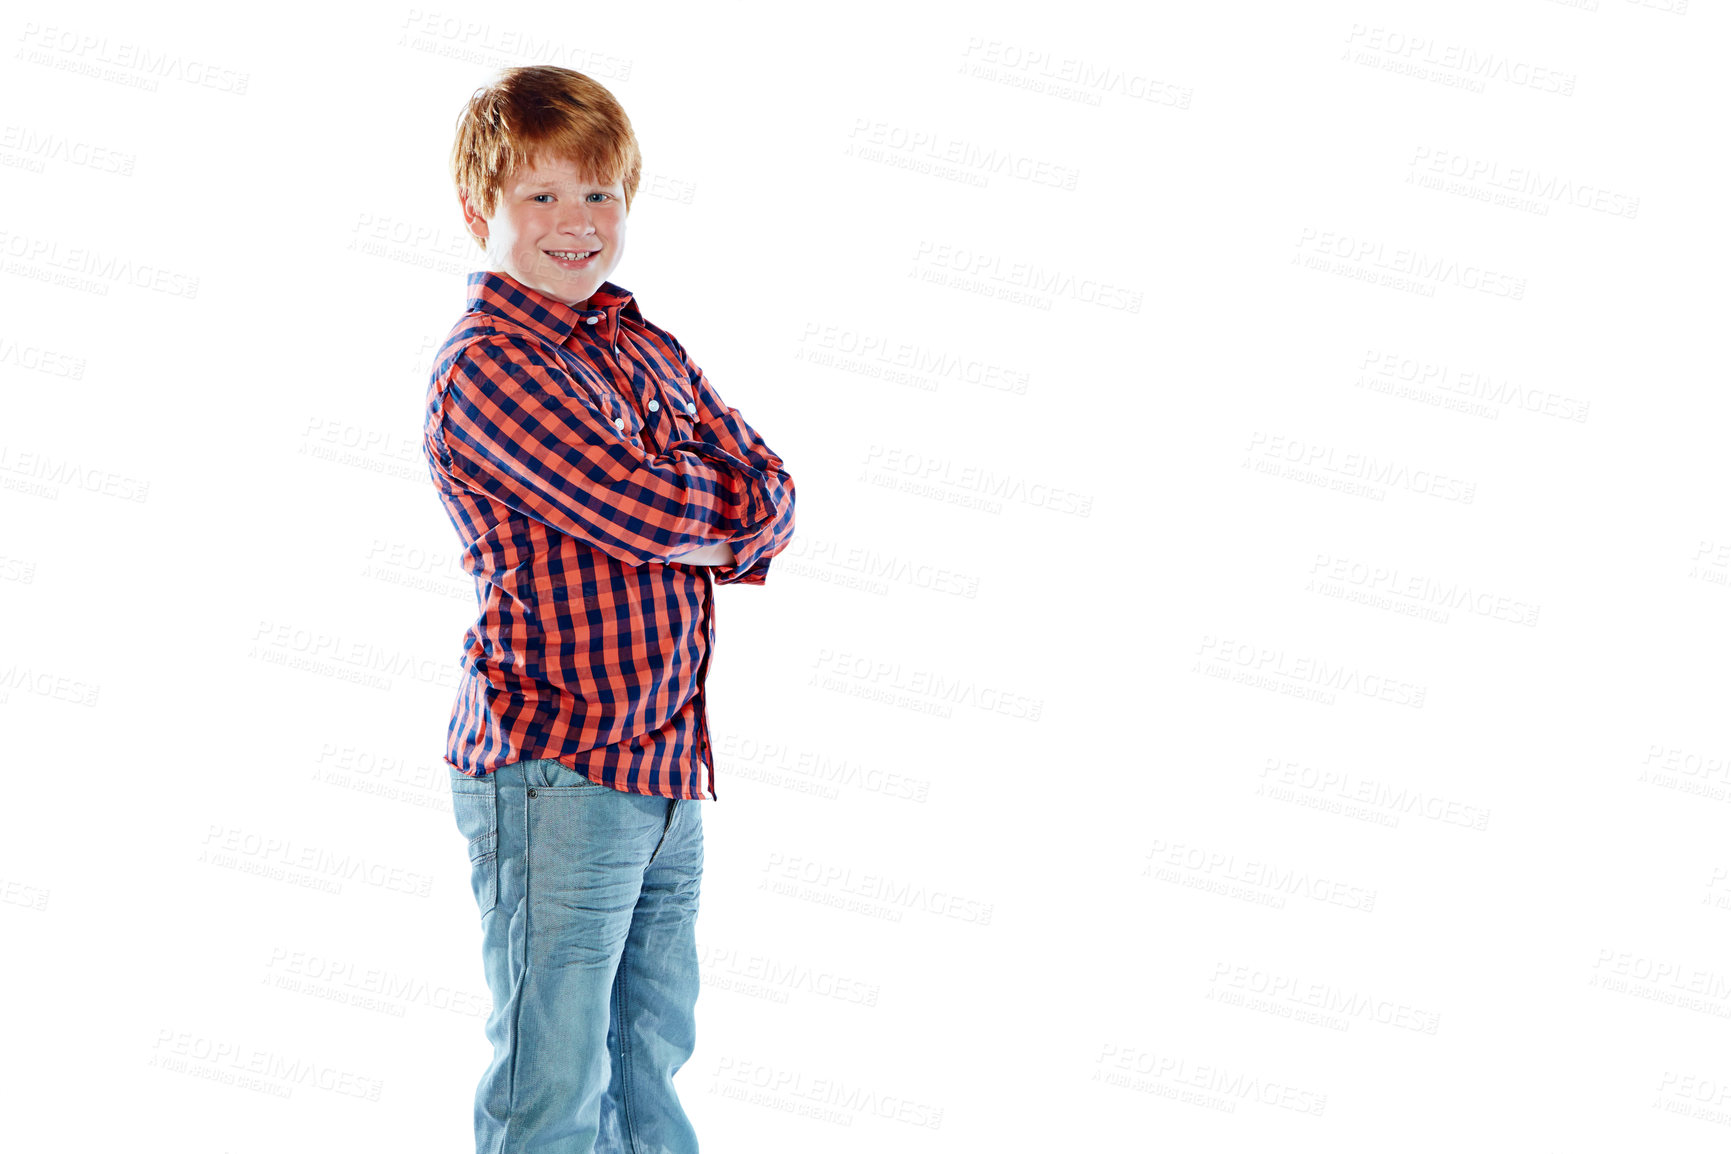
(580, 221)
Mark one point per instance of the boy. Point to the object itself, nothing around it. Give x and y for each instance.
(601, 488)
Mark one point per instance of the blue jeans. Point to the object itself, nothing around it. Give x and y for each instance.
(588, 900)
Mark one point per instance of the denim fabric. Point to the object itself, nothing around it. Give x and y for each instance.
(588, 901)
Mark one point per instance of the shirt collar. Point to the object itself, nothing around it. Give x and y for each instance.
(504, 295)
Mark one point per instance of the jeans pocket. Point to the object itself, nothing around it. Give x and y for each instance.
(475, 805)
(551, 773)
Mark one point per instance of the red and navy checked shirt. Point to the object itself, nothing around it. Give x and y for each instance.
(577, 450)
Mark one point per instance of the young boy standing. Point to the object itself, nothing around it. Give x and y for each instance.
(600, 488)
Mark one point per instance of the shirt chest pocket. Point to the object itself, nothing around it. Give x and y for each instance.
(666, 417)
(672, 416)
(668, 414)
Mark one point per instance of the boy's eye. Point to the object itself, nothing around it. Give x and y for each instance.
(598, 194)
(539, 195)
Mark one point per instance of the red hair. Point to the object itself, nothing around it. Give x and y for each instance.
(535, 113)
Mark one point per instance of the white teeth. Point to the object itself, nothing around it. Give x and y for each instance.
(574, 255)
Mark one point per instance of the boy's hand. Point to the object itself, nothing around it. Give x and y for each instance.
(720, 553)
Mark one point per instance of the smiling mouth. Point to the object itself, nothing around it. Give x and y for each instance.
(571, 255)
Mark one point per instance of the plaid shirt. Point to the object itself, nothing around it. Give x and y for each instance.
(577, 450)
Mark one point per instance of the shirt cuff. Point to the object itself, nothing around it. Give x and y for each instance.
(756, 512)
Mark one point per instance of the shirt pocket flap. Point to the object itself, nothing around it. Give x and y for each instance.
(674, 415)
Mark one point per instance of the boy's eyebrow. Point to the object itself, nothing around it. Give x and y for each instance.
(548, 182)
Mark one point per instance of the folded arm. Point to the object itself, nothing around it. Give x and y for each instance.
(724, 430)
(518, 429)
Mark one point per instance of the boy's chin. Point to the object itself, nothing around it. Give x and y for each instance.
(571, 284)
(561, 286)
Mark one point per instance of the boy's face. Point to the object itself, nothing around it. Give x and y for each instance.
(547, 215)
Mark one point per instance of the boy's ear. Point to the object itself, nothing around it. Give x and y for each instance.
(472, 218)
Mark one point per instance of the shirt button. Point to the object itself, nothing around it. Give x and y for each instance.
(590, 320)
(618, 422)
(691, 406)
(654, 406)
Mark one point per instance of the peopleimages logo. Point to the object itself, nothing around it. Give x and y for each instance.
(1349, 469)
(1025, 275)
(89, 269)
(1422, 56)
(1541, 188)
(928, 474)
(931, 689)
(250, 1067)
(1301, 675)
(122, 61)
(1372, 259)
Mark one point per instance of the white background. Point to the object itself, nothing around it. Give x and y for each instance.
(1250, 673)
